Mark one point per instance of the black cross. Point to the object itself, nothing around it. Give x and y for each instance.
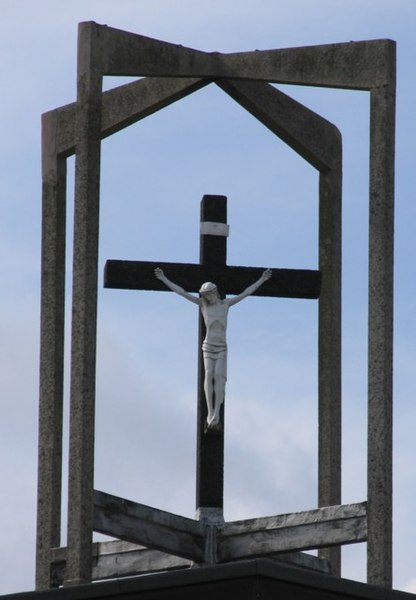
(286, 283)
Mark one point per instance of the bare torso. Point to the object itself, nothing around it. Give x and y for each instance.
(215, 317)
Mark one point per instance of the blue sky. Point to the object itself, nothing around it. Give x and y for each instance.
(153, 177)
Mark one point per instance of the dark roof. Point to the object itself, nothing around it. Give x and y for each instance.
(247, 580)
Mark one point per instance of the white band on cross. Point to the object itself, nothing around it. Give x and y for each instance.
(211, 228)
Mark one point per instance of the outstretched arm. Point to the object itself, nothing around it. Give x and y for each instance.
(251, 288)
(175, 288)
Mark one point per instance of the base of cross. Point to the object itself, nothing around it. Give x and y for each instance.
(154, 540)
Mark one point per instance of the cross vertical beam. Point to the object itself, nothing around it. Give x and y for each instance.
(210, 447)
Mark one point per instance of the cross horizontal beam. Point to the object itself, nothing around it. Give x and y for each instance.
(139, 275)
(148, 526)
(318, 528)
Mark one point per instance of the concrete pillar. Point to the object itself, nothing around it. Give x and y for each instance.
(84, 308)
(51, 351)
(380, 335)
(329, 359)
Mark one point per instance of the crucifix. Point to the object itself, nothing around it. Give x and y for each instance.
(214, 311)
(140, 275)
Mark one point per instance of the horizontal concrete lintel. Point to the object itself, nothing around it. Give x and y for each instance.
(289, 533)
(316, 515)
(144, 525)
(119, 559)
(352, 65)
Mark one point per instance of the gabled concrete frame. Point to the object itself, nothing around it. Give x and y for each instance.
(172, 72)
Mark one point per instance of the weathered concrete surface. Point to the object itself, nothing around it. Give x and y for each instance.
(151, 527)
(51, 352)
(122, 559)
(84, 311)
(121, 107)
(380, 335)
(314, 138)
(104, 51)
(329, 344)
(297, 531)
(230, 541)
(352, 65)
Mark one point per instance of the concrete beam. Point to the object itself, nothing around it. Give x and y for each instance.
(122, 559)
(121, 106)
(351, 65)
(328, 526)
(118, 559)
(310, 135)
(148, 526)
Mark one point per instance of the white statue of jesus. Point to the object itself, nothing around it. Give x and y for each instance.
(214, 347)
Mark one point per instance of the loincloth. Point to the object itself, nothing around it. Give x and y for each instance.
(217, 354)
